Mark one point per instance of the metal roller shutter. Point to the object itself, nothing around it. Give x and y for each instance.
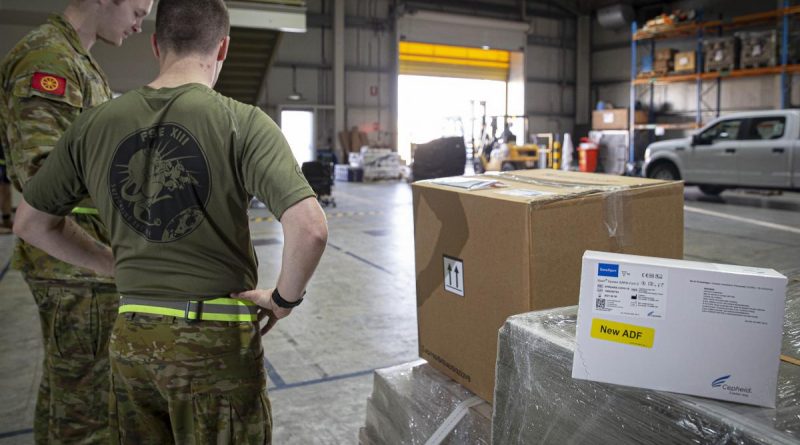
(425, 59)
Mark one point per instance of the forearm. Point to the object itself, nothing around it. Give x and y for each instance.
(305, 237)
(63, 239)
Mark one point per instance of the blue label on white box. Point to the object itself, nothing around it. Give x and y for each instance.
(608, 270)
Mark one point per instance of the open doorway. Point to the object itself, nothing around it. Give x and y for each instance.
(298, 127)
(433, 107)
(446, 91)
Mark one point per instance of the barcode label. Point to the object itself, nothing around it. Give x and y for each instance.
(600, 303)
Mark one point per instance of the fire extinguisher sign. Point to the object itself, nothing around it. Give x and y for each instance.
(453, 275)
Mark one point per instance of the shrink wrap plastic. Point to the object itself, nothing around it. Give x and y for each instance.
(537, 400)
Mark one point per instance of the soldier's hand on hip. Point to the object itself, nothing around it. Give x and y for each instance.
(266, 307)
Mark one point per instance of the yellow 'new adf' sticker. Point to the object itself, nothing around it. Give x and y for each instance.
(623, 333)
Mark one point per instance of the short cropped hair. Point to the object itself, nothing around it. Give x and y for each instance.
(191, 26)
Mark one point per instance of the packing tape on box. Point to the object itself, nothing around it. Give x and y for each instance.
(452, 420)
(790, 359)
(615, 202)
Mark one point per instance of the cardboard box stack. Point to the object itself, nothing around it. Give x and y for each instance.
(537, 401)
(664, 62)
(487, 247)
(353, 140)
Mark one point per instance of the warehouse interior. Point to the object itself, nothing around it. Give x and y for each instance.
(575, 106)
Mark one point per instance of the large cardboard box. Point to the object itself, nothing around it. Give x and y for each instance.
(663, 67)
(685, 62)
(615, 119)
(485, 254)
(665, 53)
(711, 330)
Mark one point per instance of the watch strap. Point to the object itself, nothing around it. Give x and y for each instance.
(280, 302)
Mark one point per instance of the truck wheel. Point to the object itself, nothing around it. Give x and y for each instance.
(666, 172)
(712, 190)
(478, 166)
(508, 166)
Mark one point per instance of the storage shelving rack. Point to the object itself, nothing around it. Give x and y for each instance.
(698, 30)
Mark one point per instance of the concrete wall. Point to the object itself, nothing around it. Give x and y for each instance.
(611, 71)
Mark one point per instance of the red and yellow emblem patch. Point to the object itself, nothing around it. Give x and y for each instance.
(49, 83)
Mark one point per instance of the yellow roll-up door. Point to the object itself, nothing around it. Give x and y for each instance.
(425, 59)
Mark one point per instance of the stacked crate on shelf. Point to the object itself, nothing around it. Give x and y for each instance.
(716, 58)
(721, 54)
(685, 62)
(759, 48)
(664, 61)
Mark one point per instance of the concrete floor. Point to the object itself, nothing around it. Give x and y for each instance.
(360, 311)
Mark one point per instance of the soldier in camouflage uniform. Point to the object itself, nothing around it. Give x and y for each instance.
(46, 81)
(173, 182)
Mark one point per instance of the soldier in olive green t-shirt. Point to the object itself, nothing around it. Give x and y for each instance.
(172, 167)
(173, 185)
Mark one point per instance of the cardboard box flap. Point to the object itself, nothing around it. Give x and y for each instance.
(538, 186)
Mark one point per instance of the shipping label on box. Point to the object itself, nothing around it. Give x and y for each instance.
(491, 246)
(704, 329)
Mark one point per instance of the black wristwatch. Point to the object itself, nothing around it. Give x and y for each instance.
(276, 297)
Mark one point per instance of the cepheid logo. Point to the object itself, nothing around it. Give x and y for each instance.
(721, 382)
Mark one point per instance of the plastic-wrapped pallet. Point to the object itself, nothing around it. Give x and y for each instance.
(377, 163)
(410, 402)
(721, 53)
(758, 49)
(537, 401)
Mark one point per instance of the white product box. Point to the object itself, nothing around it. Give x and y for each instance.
(704, 329)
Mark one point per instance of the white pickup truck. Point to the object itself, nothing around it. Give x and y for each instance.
(759, 149)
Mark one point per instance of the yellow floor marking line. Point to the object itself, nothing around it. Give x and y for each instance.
(259, 219)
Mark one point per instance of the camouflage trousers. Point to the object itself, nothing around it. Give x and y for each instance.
(187, 382)
(72, 402)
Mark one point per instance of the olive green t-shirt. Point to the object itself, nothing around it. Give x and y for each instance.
(172, 172)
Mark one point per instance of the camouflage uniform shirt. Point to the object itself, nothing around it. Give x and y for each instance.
(46, 81)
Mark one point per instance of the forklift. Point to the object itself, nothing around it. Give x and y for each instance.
(502, 153)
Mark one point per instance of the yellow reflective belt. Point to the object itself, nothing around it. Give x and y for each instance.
(218, 309)
(85, 210)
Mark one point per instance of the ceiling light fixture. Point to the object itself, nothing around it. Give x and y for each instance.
(295, 96)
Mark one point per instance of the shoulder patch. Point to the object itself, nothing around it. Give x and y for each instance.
(49, 83)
